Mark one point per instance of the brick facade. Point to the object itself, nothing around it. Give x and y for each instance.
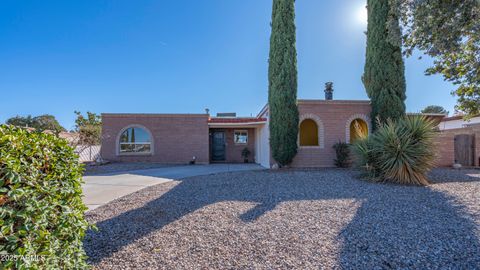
(333, 119)
(179, 137)
(233, 151)
(176, 137)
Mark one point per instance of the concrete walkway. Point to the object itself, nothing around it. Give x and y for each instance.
(101, 189)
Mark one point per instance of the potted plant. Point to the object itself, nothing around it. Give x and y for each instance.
(245, 154)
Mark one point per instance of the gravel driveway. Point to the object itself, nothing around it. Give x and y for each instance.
(291, 219)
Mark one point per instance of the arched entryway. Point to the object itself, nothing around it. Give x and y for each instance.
(358, 130)
(308, 133)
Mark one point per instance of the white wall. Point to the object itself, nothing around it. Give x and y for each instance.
(262, 147)
(460, 123)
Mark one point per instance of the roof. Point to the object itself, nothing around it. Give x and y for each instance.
(236, 120)
(427, 114)
(456, 117)
(322, 101)
(154, 115)
(333, 101)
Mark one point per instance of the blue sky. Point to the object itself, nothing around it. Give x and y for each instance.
(179, 56)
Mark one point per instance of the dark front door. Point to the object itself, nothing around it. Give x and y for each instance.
(218, 146)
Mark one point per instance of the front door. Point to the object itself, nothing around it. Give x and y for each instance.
(218, 146)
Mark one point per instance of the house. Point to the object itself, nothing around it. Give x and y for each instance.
(183, 138)
(457, 121)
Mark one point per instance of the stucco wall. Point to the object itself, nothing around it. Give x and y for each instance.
(334, 118)
(262, 149)
(176, 137)
(458, 123)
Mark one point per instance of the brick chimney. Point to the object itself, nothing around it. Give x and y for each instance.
(329, 91)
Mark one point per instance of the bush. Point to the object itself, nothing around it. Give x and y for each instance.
(342, 151)
(42, 221)
(399, 152)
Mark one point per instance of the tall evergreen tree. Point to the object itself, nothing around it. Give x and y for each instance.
(384, 76)
(282, 83)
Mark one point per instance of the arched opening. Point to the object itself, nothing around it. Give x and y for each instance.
(308, 133)
(135, 140)
(358, 130)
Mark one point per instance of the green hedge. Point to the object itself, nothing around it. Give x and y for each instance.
(42, 222)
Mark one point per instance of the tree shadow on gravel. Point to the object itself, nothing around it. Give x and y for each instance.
(396, 226)
(447, 175)
(410, 228)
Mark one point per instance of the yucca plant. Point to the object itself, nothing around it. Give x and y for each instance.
(399, 151)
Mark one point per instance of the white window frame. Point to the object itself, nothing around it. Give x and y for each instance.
(135, 144)
(240, 131)
(119, 144)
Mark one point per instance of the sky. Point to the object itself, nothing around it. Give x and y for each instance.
(179, 56)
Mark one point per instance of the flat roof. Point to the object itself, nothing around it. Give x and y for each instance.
(231, 120)
(333, 101)
(457, 117)
(154, 114)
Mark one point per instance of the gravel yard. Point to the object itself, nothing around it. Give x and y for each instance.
(291, 219)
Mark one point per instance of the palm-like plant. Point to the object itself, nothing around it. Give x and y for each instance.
(399, 152)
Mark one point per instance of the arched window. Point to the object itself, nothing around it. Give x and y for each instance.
(358, 130)
(135, 140)
(308, 133)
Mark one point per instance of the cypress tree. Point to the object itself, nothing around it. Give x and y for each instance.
(282, 83)
(384, 75)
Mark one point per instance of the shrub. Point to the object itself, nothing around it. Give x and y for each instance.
(399, 152)
(42, 221)
(342, 151)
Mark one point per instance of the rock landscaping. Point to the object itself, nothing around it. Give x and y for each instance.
(291, 219)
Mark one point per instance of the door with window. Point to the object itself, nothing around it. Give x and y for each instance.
(218, 146)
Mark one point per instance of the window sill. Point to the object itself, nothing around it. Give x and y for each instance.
(134, 154)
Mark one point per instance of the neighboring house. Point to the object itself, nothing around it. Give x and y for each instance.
(182, 138)
(457, 121)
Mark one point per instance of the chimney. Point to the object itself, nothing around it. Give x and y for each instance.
(329, 91)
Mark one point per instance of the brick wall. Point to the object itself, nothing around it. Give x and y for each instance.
(445, 149)
(233, 152)
(446, 145)
(335, 117)
(176, 137)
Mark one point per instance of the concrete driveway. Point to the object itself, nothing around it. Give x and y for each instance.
(101, 189)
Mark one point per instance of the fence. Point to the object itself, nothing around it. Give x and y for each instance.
(461, 145)
(88, 153)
